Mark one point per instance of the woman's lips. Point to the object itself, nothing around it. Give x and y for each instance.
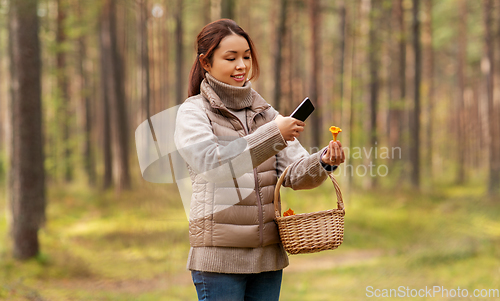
(239, 77)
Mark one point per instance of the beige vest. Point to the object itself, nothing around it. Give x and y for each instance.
(250, 222)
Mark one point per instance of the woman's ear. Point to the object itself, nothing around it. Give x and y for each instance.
(204, 63)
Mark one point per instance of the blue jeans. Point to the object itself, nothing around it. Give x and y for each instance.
(237, 287)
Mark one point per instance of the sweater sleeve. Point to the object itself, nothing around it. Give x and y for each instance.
(306, 170)
(208, 154)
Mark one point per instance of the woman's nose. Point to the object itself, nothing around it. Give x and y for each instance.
(241, 65)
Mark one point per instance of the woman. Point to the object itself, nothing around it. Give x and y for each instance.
(236, 145)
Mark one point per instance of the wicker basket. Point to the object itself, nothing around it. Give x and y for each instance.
(310, 232)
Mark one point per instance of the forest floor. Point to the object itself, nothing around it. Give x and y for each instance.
(134, 246)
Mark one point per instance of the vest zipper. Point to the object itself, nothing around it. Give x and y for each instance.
(259, 200)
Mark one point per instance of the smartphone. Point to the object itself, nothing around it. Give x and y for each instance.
(303, 110)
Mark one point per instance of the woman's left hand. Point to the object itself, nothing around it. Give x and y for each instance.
(334, 154)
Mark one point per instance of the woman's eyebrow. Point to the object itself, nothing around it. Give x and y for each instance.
(234, 51)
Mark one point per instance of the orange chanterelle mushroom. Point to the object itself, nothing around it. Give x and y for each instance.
(288, 212)
(335, 131)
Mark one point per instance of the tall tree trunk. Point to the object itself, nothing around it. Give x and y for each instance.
(85, 90)
(278, 57)
(462, 54)
(166, 56)
(63, 93)
(315, 119)
(116, 97)
(342, 12)
(289, 61)
(215, 9)
(206, 12)
(398, 103)
(143, 58)
(4, 119)
(494, 131)
(429, 61)
(374, 65)
(347, 56)
(227, 9)
(415, 112)
(355, 73)
(27, 176)
(153, 96)
(364, 86)
(119, 116)
(106, 122)
(494, 182)
(85, 86)
(179, 51)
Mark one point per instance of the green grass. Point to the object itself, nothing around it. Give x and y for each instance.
(133, 246)
(101, 246)
(448, 238)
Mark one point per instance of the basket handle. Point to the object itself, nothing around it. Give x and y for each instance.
(277, 201)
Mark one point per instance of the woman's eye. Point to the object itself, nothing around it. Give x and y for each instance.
(246, 57)
(230, 59)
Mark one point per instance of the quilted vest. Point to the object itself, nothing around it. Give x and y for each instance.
(217, 218)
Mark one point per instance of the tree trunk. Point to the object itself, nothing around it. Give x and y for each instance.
(63, 93)
(494, 181)
(278, 58)
(153, 96)
(143, 59)
(289, 62)
(342, 12)
(119, 116)
(215, 9)
(493, 111)
(88, 157)
(354, 73)
(429, 50)
(85, 89)
(462, 54)
(27, 176)
(227, 9)
(166, 56)
(346, 69)
(415, 112)
(315, 119)
(179, 51)
(206, 12)
(116, 97)
(4, 119)
(398, 103)
(374, 65)
(106, 123)
(364, 84)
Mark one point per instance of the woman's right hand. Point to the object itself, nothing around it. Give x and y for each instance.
(289, 127)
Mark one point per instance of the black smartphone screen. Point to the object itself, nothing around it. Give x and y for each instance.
(303, 110)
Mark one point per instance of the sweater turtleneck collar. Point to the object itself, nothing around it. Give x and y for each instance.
(235, 98)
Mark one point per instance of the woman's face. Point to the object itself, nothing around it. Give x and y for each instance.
(231, 62)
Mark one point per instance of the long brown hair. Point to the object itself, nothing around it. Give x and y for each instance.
(207, 41)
